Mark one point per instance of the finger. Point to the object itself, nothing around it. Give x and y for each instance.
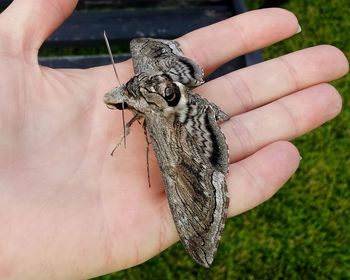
(217, 44)
(251, 87)
(284, 119)
(256, 178)
(31, 22)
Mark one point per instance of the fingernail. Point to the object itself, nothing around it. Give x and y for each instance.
(299, 29)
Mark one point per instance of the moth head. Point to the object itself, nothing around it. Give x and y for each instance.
(126, 96)
(115, 98)
(145, 93)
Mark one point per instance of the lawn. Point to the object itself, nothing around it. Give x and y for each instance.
(303, 232)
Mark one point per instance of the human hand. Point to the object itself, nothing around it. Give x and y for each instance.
(69, 210)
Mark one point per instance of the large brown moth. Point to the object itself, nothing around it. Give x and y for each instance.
(190, 148)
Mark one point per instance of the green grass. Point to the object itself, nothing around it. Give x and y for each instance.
(304, 231)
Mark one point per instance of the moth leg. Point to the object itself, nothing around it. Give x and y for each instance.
(127, 130)
(147, 152)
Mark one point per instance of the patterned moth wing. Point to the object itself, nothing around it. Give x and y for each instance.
(190, 148)
(151, 56)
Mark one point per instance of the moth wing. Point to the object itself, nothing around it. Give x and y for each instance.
(199, 207)
(157, 55)
(195, 184)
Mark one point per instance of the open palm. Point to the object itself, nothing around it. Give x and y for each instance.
(70, 210)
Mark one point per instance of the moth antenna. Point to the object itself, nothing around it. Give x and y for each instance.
(116, 75)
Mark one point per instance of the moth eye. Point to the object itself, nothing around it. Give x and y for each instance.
(169, 94)
(172, 95)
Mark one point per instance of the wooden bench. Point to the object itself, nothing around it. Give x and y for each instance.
(124, 20)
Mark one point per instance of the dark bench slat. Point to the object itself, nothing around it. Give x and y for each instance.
(4, 4)
(80, 61)
(121, 26)
(83, 4)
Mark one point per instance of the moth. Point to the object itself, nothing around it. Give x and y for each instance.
(184, 130)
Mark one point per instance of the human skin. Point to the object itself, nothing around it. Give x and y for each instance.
(68, 210)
